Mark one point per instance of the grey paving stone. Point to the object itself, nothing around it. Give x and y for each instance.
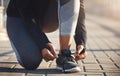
(113, 74)
(100, 54)
(35, 75)
(44, 64)
(96, 75)
(93, 74)
(109, 67)
(91, 61)
(11, 74)
(3, 58)
(118, 52)
(92, 44)
(5, 65)
(105, 61)
(101, 43)
(18, 66)
(90, 58)
(92, 67)
(111, 53)
(66, 74)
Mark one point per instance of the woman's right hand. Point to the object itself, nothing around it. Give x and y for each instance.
(49, 54)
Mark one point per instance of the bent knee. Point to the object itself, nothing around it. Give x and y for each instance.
(30, 64)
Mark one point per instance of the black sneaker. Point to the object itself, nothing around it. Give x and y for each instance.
(66, 62)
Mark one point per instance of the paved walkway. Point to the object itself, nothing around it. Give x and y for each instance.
(103, 47)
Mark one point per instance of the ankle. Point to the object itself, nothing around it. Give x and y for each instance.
(65, 49)
(65, 52)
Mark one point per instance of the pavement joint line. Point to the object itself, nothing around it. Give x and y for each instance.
(112, 60)
(50, 63)
(13, 66)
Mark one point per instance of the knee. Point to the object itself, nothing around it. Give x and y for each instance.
(30, 64)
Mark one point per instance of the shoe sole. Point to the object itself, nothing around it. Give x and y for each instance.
(72, 70)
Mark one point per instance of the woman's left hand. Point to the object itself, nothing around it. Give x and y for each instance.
(78, 54)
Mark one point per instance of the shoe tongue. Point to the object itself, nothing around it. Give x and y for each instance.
(66, 52)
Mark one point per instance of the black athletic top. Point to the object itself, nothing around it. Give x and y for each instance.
(12, 9)
(27, 8)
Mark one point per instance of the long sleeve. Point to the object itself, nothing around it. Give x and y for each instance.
(80, 34)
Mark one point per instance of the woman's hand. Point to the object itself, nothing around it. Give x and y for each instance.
(78, 54)
(49, 54)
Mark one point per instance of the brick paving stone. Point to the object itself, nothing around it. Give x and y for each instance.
(35, 75)
(86, 61)
(115, 41)
(101, 43)
(5, 65)
(113, 74)
(12, 58)
(118, 52)
(12, 74)
(92, 67)
(2, 58)
(90, 58)
(100, 54)
(111, 53)
(96, 75)
(65, 74)
(5, 44)
(109, 67)
(105, 61)
(44, 64)
(114, 44)
(18, 66)
(91, 43)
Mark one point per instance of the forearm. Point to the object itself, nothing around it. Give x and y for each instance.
(80, 34)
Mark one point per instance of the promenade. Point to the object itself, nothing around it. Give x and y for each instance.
(103, 47)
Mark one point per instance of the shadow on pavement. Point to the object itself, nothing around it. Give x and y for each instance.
(38, 71)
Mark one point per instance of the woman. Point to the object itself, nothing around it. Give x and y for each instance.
(26, 27)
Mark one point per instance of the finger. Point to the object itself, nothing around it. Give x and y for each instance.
(79, 49)
(81, 56)
(53, 51)
(47, 54)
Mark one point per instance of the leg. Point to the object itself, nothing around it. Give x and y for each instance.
(68, 16)
(34, 24)
(80, 34)
(26, 49)
(67, 21)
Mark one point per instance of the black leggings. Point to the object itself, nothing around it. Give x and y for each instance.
(27, 51)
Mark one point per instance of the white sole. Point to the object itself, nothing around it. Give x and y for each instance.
(75, 69)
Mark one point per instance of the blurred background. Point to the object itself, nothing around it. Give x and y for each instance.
(105, 12)
(107, 8)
